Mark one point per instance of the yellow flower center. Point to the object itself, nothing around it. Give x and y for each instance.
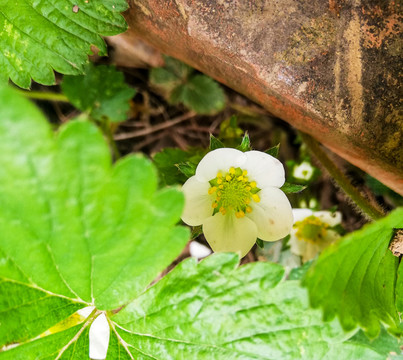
(311, 229)
(233, 192)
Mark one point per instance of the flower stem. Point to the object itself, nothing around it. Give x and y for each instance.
(341, 179)
(39, 95)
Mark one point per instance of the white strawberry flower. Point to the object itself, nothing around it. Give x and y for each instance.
(312, 232)
(303, 171)
(236, 197)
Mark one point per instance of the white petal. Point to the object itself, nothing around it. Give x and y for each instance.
(198, 250)
(297, 247)
(328, 217)
(197, 201)
(311, 251)
(99, 338)
(228, 233)
(331, 236)
(303, 248)
(301, 214)
(265, 169)
(272, 215)
(85, 312)
(219, 160)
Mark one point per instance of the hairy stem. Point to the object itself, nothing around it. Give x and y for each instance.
(341, 179)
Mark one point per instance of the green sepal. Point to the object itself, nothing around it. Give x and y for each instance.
(292, 188)
(245, 143)
(339, 229)
(188, 169)
(196, 231)
(273, 151)
(215, 143)
(260, 243)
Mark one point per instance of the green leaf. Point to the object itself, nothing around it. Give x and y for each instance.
(187, 169)
(39, 36)
(177, 67)
(216, 310)
(19, 308)
(355, 277)
(201, 94)
(385, 344)
(292, 188)
(273, 151)
(215, 143)
(178, 84)
(171, 75)
(167, 162)
(80, 231)
(69, 344)
(102, 92)
(299, 272)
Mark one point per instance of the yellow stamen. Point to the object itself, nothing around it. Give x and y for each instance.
(212, 190)
(256, 198)
(239, 214)
(233, 192)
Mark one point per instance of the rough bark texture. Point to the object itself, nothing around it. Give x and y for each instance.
(331, 69)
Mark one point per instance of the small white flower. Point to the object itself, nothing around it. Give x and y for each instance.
(311, 232)
(303, 171)
(236, 197)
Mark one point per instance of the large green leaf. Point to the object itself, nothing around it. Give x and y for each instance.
(38, 36)
(215, 310)
(102, 92)
(74, 229)
(355, 277)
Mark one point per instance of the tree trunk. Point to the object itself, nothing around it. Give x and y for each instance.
(328, 68)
